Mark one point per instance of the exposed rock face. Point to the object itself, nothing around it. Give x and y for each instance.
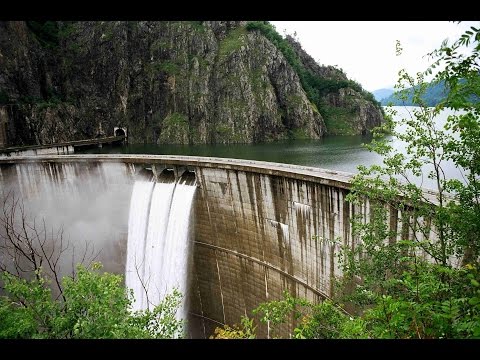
(167, 82)
(357, 114)
(350, 111)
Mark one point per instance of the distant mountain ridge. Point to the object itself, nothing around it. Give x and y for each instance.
(434, 93)
(381, 94)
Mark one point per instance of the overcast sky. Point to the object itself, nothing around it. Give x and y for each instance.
(365, 50)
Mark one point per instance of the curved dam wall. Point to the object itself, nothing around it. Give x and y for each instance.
(260, 228)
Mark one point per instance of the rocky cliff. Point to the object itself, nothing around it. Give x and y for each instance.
(345, 106)
(167, 82)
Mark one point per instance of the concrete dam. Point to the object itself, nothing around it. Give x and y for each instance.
(259, 228)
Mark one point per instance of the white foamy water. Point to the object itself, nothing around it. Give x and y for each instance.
(285, 232)
(137, 228)
(175, 259)
(303, 208)
(155, 242)
(159, 243)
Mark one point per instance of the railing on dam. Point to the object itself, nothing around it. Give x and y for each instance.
(62, 148)
(320, 175)
(330, 177)
(260, 228)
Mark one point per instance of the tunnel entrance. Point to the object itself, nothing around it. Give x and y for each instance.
(118, 131)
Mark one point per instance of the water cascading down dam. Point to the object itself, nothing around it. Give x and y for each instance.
(258, 229)
(158, 249)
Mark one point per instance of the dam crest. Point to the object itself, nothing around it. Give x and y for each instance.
(258, 229)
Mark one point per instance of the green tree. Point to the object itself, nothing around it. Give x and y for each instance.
(325, 320)
(415, 287)
(38, 303)
(246, 330)
(96, 306)
(315, 86)
(404, 284)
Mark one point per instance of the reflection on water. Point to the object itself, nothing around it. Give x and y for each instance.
(337, 152)
(343, 153)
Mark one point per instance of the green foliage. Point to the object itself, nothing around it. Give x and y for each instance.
(66, 29)
(46, 104)
(298, 134)
(427, 301)
(159, 44)
(245, 331)
(107, 34)
(167, 66)
(414, 288)
(4, 98)
(316, 87)
(133, 25)
(338, 120)
(280, 43)
(224, 131)
(28, 311)
(321, 321)
(274, 313)
(315, 321)
(309, 81)
(174, 128)
(277, 311)
(294, 101)
(170, 67)
(51, 99)
(96, 305)
(50, 34)
(398, 282)
(257, 81)
(232, 42)
(197, 26)
(175, 120)
(460, 72)
(46, 32)
(327, 321)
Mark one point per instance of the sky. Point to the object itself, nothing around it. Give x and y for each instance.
(365, 50)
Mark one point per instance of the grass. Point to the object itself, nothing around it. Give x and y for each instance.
(232, 42)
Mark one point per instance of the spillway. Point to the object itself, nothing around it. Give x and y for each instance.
(158, 249)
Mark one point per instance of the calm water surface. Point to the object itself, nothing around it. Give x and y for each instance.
(343, 153)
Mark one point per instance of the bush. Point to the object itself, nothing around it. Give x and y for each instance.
(315, 87)
(96, 306)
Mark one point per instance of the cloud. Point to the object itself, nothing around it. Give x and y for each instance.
(365, 50)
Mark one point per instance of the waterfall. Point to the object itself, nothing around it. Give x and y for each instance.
(137, 227)
(175, 264)
(286, 236)
(158, 242)
(155, 242)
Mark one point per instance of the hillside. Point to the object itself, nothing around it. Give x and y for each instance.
(433, 95)
(171, 82)
(381, 94)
